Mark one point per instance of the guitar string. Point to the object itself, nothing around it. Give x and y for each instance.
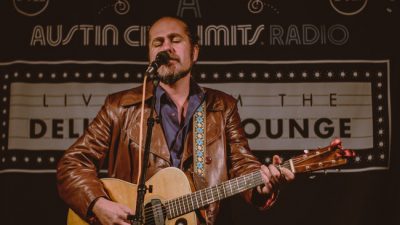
(179, 202)
(210, 190)
(301, 158)
(151, 218)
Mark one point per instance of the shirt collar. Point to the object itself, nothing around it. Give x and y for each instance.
(196, 96)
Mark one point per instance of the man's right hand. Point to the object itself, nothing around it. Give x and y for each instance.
(111, 213)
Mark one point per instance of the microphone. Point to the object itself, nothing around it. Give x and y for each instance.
(162, 58)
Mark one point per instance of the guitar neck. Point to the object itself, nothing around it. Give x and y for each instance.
(315, 160)
(190, 202)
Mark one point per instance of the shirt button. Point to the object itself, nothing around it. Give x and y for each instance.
(208, 159)
(172, 114)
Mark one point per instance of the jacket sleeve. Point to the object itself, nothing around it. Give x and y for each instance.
(242, 160)
(77, 171)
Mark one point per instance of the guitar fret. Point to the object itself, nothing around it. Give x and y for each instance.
(230, 186)
(212, 195)
(174, 208)
(207, 198)
(171, 211)
(190, 207)
(193, 205)
(248, 182)
(168, 208)
(201, 197)
(183, 203)
(189, 202)
(223, 188)
(218, 192)
(204, 193)
(179, 204)
(197, 202)
(211, 199)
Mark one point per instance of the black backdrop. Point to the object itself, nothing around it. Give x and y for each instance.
(347, 30)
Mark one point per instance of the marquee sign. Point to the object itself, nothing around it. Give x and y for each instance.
(285, 106)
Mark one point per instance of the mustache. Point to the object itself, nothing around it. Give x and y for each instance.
(173, 57)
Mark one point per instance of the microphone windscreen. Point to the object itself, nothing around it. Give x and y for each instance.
(162, 57)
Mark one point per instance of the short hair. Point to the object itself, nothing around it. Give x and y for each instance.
(190, 29)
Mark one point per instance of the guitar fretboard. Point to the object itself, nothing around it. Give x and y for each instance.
(319, 159)
(190, 202)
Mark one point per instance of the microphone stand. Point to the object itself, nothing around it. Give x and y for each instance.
(137, 219)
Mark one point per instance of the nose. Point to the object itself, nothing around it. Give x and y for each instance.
(167, 46)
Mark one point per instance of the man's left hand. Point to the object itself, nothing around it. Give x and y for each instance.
(273, 176)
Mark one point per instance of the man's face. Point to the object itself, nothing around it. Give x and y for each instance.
(168, 34)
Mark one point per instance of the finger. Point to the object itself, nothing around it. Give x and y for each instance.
(260, 188)
(275, 173)
(123, 213)
(270, 176)
(265, 173)
(267, 188)
(287, 174)
(266, 176)
(126, 209)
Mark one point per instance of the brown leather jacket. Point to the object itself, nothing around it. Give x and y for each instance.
(115, 132)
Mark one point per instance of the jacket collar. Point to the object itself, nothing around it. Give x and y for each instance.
(134, 96)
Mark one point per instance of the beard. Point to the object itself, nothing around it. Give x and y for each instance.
(170, 77)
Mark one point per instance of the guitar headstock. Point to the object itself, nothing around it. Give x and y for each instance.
(330, 156)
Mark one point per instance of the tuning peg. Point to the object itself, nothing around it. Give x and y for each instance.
(336, 143)
(349, 153)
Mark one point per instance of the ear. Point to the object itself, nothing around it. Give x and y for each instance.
(195, 53)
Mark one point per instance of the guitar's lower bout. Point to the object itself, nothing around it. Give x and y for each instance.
(169, 183)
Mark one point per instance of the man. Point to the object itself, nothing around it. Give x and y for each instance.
(115, 130)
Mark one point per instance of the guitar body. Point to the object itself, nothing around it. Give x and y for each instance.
(167, 184)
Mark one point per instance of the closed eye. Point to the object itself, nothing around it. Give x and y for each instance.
(157, 43)
(176, 39)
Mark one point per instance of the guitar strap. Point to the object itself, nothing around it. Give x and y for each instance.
(199, 153)
(199, 140)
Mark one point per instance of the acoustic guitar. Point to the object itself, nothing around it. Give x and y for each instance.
(170, 201)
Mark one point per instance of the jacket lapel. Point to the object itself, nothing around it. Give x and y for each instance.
(133, 99)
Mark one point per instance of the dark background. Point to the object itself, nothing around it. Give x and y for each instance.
(370, 197)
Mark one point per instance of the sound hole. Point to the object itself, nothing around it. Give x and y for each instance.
(154, 213)
(181, 221)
